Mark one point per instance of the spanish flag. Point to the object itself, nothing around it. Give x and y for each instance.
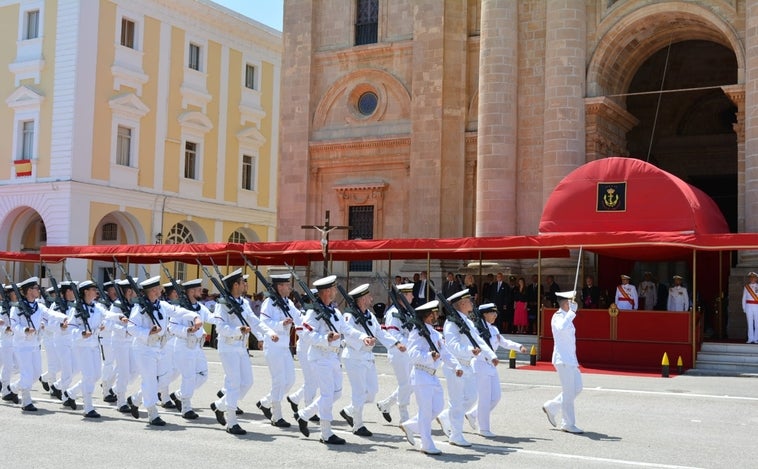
(23, 168)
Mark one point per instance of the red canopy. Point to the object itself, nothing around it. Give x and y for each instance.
(627, 194)
(220, 253)
(19, 256)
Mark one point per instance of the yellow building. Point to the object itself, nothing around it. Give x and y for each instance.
(136, 121)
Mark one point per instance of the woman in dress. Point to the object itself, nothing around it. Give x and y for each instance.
(520, 315)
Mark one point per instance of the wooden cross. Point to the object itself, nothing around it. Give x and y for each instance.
(324, 230)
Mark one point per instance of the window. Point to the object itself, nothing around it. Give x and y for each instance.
(250, 76)
(237, 237)
(248, 172)
(361, 221)
(31, 25)
(190, 160)
(179, 234)
(194, 57)
(127, 33)
(110, 232)
(27, 140)
(124, 146)
(367, 22)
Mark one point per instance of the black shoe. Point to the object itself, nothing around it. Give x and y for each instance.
(124, 409)
(236, 430)
(363, 431)
(281, 423)
(168, 405)
(177, 402)
(220, 394)
(315, 419)
(239, 411)
(11, 396)
(92, 414)
(45, 386)
(69, 402)
(132, 408)
(55, 392)
(292, 404)
(266, 410)
(190, 415)
(333, 440)
(29, 408)
(219, 414)
(110, 398)
(303, 425)
(347, 418)
(158, 422)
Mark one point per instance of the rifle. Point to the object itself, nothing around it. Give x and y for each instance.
(23, 306)
(103, 297)
(272, 293)
(184, 300)
(360, 318)
(407, 314)
(145, 306)
(59, 300)
(452, 315)
(321, 312)
(123, 303)
(483, 328)
(231, 303)
(81, 310)
(5, 305)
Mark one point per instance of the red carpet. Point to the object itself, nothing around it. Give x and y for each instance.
(547, 366)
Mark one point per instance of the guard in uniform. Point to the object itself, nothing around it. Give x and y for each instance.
(121, 342)
(325, 336)
(281, 366)
(233, 335)
(359, 360)
(750, 307)
(679, 299)
(626, 295)
(168, 370)
(7, 358)
(308, 390)
(106, 342)
(462, 391)
(61, 345)
(424, 379)
(401, 365)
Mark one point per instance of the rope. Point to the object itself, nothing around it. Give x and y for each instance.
(660, 96)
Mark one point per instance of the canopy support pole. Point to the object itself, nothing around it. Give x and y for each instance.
(694, 307)
(539, 296)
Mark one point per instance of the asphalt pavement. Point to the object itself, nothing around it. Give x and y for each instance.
(629, 421)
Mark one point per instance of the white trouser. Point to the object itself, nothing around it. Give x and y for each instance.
(193, 367)
(281, 367)
(329, 375)
(238, 379)
(148, 359)
(752, 323)
(167, 370)
(7, 363)
(488, 393)
(126, 369)
(401, 366)
(88, 361)
(571, 386)
(52, 358)
(66, 358)
(364, 386)
(430, 399)
(30, 368)
(109, 366)
(306, 392)
(461, 397)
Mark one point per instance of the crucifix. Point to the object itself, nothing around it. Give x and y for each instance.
(324, 230)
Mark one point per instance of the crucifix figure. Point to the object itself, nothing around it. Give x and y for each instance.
(325, 229)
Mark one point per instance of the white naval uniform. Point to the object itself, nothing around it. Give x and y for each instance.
(148, 352)
(308, 390)
(86, 352)
(64, 348)
(565, 363)
(360, 364)
(750, 307)
(324, 357)
(281, 365)
(122, 341)
(7, 359)
(679, 299)
(462, 390)
(400, 362)
(189, 358)
(51, 354)
(649, 291)
(488, 380)
(632, 302)
(232, 351)
(108, 371)
(26, 346)
(426, 384)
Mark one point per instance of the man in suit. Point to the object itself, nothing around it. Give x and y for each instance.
(502, 295)
(421, 292)
(532, 302)
(451, 285)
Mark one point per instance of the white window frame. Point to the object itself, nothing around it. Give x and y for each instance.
(27, 30)
(19, 119)
(256, 79)
(130, 156)
(138, 19)
(127, 63)
(197, 160)
(120, 175)
(26, 7)
(194, 88)
(253, 169)
(192, 188)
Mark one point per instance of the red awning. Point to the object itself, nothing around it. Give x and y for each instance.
(220, 253)
(626, 194)
(19, 256)
(284, 252)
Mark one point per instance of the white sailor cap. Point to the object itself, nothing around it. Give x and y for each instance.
(281, 278)
(232, 278)
(566, 294)
(30, 282)
(487, 308)
(125, 282)
(151, 282)
(50, 289)
(359, 291)
(459, 295)
(64, 285)
(85, 285)
(198, 282)
(170, 286)
(327, 282)
(8, 287)
(405, 287)
(752, 274)
(314, 290)
(677, 277)
(625, 277)
(245, 277)
(428, 306)
(107, 284)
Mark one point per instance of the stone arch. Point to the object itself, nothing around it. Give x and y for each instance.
(15, 224)
(196, 232)
(338, 107)
(627, 39)
(129, 228)
(249, 234)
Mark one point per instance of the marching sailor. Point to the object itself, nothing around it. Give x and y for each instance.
(125, 362)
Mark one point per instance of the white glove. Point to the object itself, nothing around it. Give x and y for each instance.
(573, 306)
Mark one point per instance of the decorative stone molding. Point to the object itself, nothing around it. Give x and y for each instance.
(128, 105)
(369, 193)
(25, 98)
(607, 124)
(736, 93)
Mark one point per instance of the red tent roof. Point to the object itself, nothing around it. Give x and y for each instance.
(221, 253)
(19, 256)
(655, 201)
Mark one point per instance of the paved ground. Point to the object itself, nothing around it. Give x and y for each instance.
(630, 421)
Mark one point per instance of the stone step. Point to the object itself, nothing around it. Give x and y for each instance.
(722, 357)
(723, 347)
(727, 367)
(727, 358)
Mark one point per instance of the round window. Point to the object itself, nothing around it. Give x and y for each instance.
(367, 103)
